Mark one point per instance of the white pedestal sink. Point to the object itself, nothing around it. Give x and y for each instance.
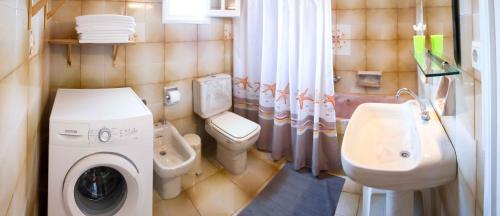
(389, 146)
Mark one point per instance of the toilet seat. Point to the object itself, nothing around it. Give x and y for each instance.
(234, 127)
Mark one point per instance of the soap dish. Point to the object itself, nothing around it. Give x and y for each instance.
(369, 78)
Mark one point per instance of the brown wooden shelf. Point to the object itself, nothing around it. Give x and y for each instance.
(75, 42)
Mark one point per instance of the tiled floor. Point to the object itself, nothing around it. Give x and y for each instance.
(218, 192)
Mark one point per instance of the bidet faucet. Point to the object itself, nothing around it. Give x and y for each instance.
(424, 114)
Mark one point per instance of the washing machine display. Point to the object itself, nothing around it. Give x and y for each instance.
(100, 190)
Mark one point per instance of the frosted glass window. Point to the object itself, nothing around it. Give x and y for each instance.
(185, 11)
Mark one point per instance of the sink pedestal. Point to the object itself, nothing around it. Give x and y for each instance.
(399, 203)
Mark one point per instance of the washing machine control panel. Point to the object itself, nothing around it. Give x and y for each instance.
(112, 134)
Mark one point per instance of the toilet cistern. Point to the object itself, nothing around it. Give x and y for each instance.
(424, 114)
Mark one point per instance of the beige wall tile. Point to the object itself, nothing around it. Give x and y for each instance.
(212, 31)
(153, 93)
(185, 107)
(449, 51)
(180, 32)
(406, 3)
(386, 4)
(6, 62)
(36, 95)
(382, 56)
(439, 21)
(180, 60)
(157, 110)
(480, 152)
(405, 60)
(354, 21)
(356, 58)
(406, 20)
(62, 24)
(103, 7)
(148, 17)
(13, 39)
(13, 131)
(408, 80)
(210, 57)
(228, 56)
(144, 63)
(350, 4)
(19, 202)
(62, 75)
(186, 125)
(381, 24)
(437, 3)
(389, 85)
(97, 69)
(24, 84)
(348, 83)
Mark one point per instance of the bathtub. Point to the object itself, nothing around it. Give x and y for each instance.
(346, 103)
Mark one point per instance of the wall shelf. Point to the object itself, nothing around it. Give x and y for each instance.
(74, 42)
(433, 66)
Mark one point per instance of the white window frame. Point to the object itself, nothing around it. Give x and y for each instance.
(202, 19)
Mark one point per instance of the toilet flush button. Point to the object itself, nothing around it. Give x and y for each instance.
(104, 135)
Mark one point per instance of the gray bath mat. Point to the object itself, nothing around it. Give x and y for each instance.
(293, 193)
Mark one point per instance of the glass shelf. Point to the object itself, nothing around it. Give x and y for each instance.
(433, 66)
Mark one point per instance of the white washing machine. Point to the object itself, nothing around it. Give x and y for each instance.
(100, 153)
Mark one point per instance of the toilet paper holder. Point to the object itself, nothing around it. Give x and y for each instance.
(167, 92)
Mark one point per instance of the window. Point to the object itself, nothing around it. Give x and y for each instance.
(185, 11)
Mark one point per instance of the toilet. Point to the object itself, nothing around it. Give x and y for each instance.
(212, 98)
(173, 157)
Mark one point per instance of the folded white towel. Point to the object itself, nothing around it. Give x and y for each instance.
(105, 41)
(104, 37)
(104, 18)
(104, 29)
(107, 25)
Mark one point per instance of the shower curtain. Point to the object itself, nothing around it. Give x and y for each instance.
(283, 79)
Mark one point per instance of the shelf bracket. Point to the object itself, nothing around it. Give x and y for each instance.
(68, 55)
(115, 54)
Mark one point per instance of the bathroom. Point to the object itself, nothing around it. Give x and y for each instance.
(300, 134)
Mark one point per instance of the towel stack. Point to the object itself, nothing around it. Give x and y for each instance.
(105, 28)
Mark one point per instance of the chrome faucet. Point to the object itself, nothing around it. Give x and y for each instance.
(424, 114)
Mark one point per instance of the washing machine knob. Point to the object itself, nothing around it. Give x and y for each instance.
(104, 135)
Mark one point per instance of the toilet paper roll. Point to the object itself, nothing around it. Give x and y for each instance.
(173, 97)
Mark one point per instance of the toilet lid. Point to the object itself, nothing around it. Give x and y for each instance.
(233, 125)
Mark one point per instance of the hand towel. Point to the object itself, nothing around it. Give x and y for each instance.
(99, 18)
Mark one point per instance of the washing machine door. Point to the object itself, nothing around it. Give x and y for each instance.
(102, 184)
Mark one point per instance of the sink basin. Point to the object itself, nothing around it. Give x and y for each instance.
(389, 146)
